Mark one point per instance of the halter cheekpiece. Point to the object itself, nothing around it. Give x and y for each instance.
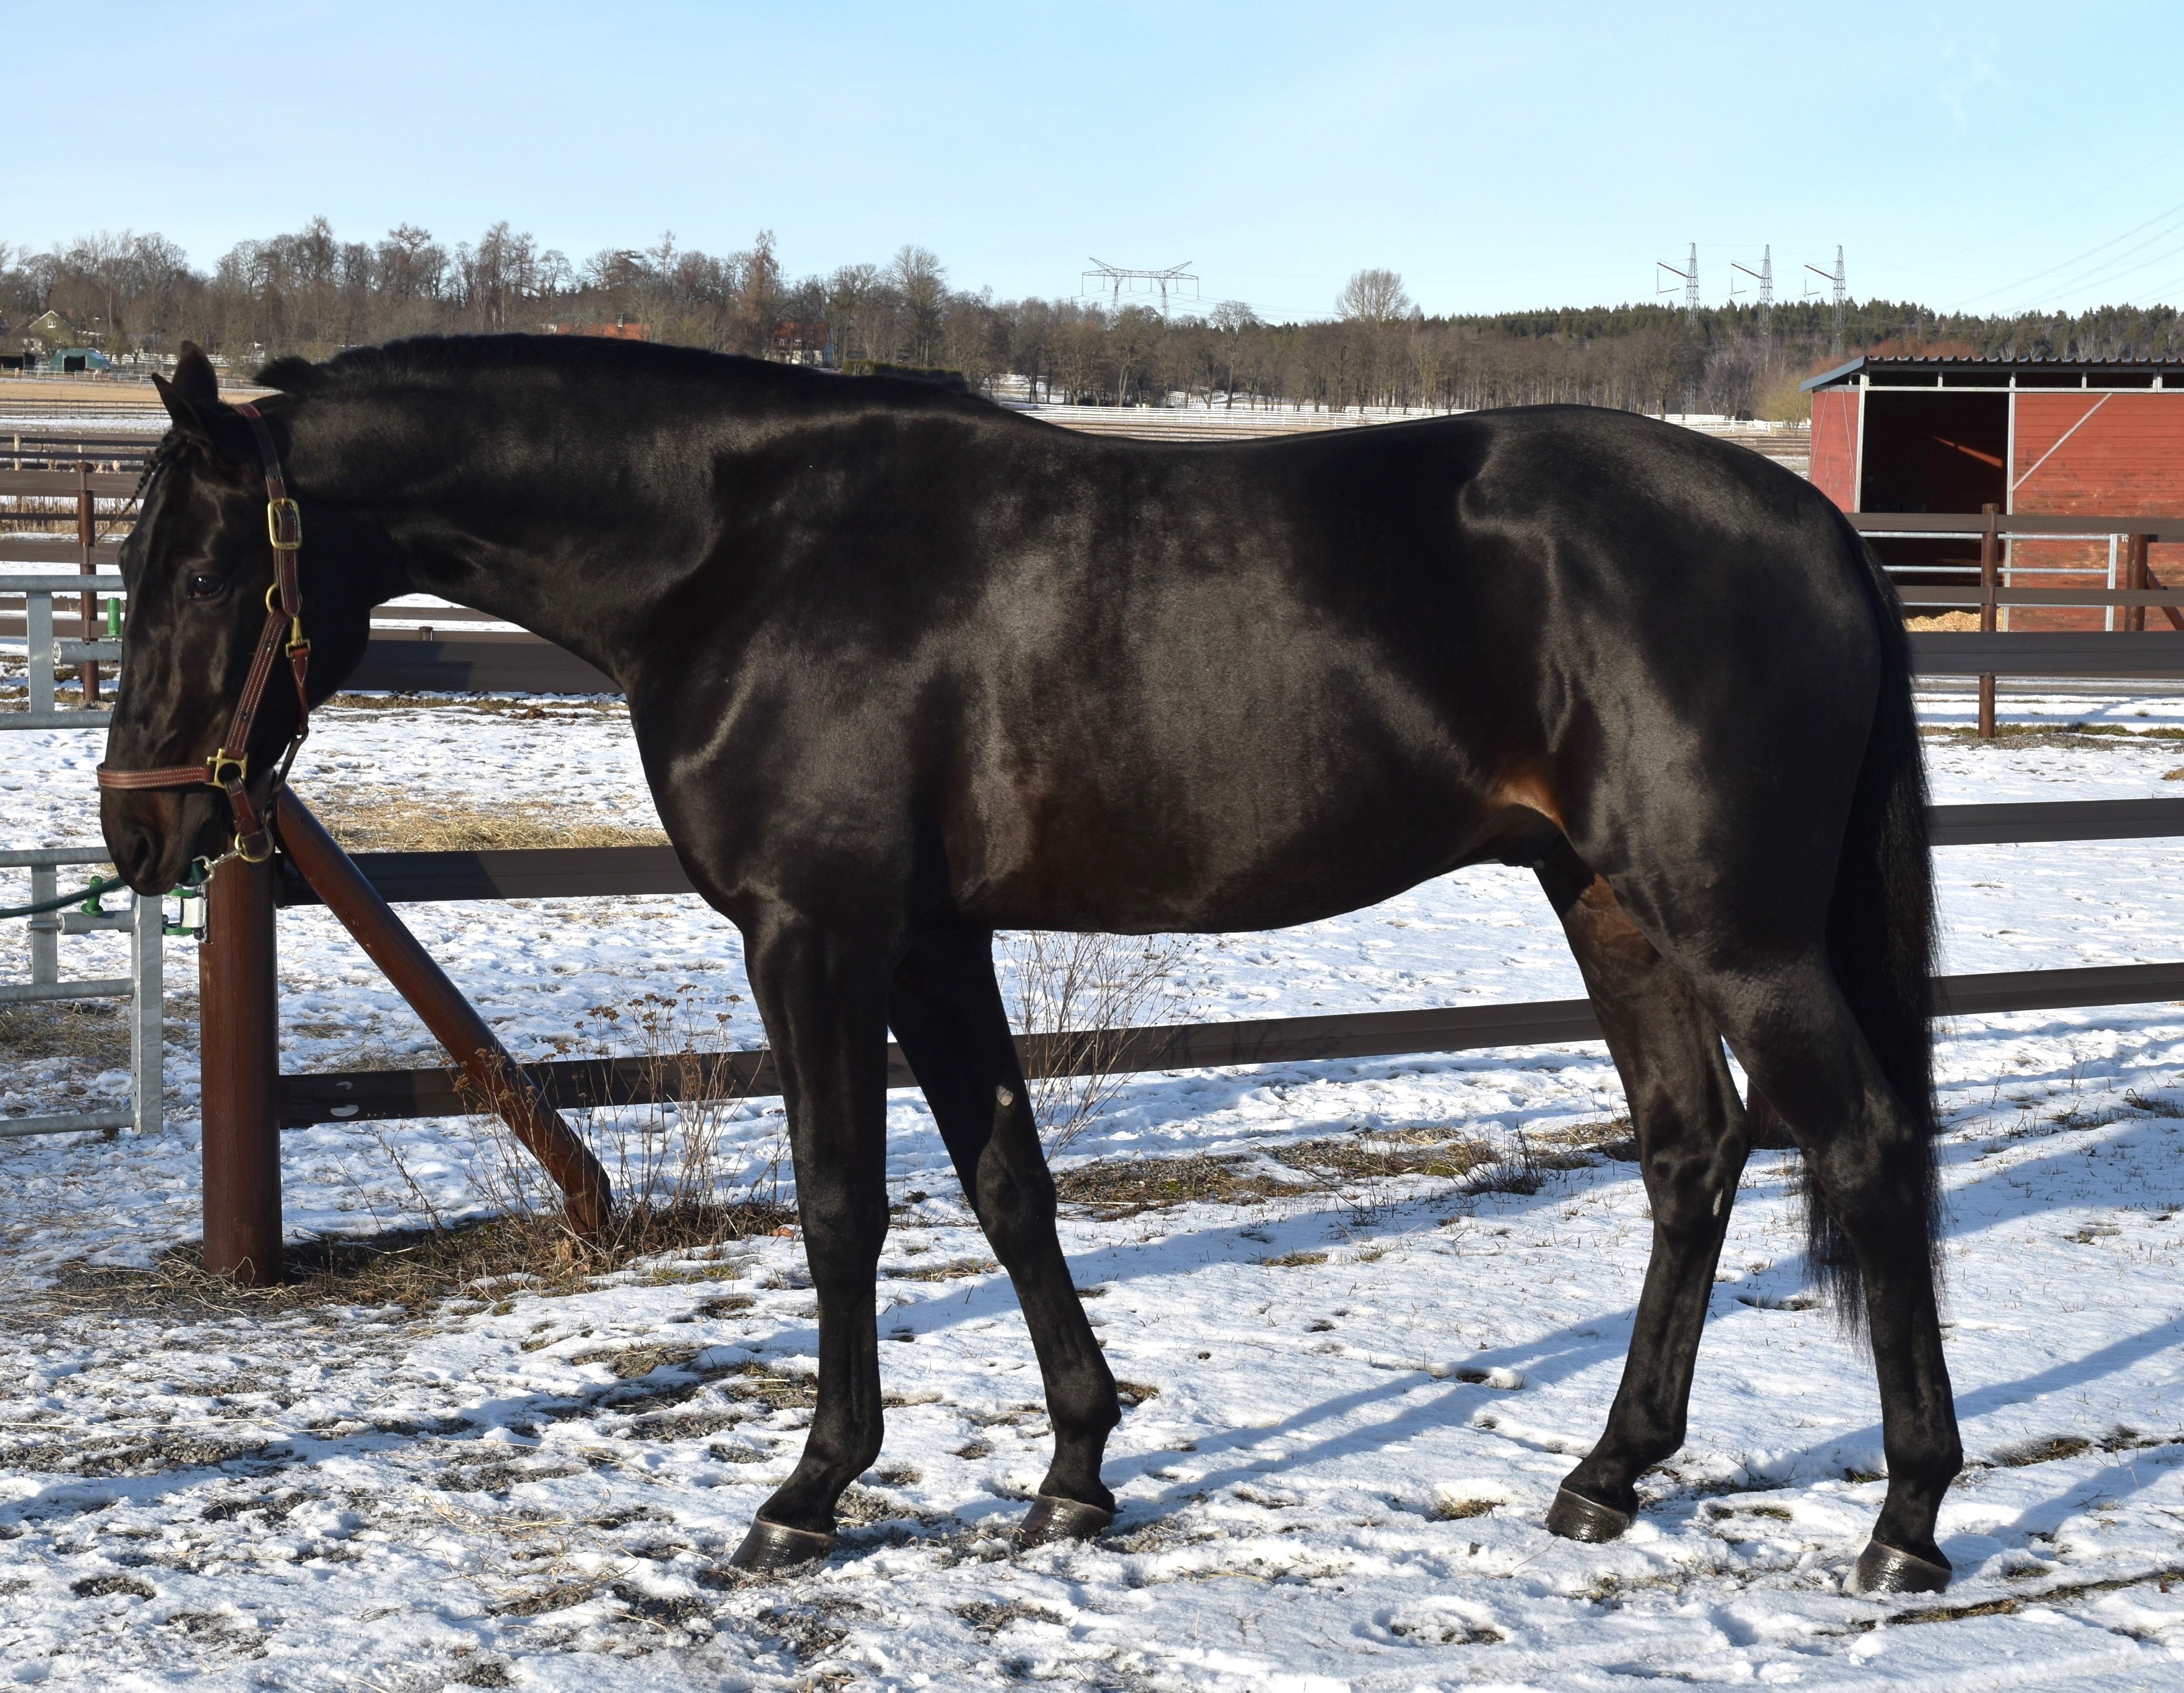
(228, 768)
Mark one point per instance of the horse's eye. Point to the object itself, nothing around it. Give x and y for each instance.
(203, 585)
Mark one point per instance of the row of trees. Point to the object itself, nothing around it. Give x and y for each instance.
(311, 292)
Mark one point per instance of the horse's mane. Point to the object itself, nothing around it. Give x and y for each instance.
(169, 449)
(431, 358)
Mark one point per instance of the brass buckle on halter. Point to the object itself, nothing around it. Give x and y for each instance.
(297, 643)
(220, 762)
(265, 838)
(284, 526)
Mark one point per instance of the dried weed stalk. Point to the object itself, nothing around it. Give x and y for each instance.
(674, 1189)
(1084, 993)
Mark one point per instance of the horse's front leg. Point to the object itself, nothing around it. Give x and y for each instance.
(823, 996)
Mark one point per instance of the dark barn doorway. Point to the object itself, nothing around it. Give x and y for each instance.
(1934, 451)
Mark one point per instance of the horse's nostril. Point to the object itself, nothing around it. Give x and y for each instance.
(142, 858)
(136, 851)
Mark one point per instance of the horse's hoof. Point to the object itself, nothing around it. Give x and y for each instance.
(1050, 1518)
(770, 1546)
(1575, 1518)
(1883, 1569)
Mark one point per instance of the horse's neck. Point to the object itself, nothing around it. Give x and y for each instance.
(571, 605)
(579, 555)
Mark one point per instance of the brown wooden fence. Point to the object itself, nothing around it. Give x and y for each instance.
(593, 873)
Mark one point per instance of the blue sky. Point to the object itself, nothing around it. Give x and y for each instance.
(1998, 157)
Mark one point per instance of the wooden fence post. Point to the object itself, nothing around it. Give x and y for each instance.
(2136, 577)
(241, 1068)
(1988, 549)
(86, 537)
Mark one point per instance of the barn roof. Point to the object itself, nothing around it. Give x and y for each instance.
(1865, 371)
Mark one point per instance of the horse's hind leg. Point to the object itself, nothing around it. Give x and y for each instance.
(1779, 1004)
(946, 1011)
(1870, 1165)
(1691, 1149)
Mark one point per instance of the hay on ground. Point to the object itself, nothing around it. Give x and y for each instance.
(393, 820)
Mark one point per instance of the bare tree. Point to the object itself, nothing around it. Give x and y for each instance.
(307, 292)
(107, 259)
(923, 283)
(852, 298)
(1373, 296)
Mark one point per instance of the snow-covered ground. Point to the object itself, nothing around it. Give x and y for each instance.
(1314, 1497)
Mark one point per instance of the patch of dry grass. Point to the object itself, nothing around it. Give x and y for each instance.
(2045, 1451)
(1337, 1166)
(1122, 1187)
(492, 1259)
(2061, 1593)
(954, 1270)
(399, 820)
(93, 1032)
(1387, 1152)
(677, 1197)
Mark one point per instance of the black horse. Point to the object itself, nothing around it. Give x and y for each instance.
(904, 667)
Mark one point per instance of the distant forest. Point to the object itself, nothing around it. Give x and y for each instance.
(312, 293)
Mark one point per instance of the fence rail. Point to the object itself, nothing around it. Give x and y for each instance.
(493, 661)
(62, 452)
(2046, 653)
(1970, 526)
(573, 872)
(60, 484)
(624, 871)
(376, 1095)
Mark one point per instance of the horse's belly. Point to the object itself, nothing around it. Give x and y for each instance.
(1243, 865)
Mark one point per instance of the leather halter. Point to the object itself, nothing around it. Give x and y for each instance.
(228, 768)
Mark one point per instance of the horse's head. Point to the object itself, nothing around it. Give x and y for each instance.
(198, 568)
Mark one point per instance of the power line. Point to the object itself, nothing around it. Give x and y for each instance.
(2080, 259)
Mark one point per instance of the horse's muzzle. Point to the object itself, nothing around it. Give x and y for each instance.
(152, 836)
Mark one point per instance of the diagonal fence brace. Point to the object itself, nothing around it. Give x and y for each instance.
(493, 1075)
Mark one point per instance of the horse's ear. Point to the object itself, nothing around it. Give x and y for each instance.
(192, 401)
(194, 376)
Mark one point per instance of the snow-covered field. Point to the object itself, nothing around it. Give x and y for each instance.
(541, 1492)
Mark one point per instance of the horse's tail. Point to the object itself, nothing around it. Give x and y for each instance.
(1881, 925)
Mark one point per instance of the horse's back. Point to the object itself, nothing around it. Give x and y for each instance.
(1111, 684)
(1234, 686)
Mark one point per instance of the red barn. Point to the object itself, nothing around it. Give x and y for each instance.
(2105, 437)
(621, 329)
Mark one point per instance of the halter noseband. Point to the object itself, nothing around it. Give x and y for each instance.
(228, 768)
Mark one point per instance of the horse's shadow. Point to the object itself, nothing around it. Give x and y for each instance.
(1550, 1357)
